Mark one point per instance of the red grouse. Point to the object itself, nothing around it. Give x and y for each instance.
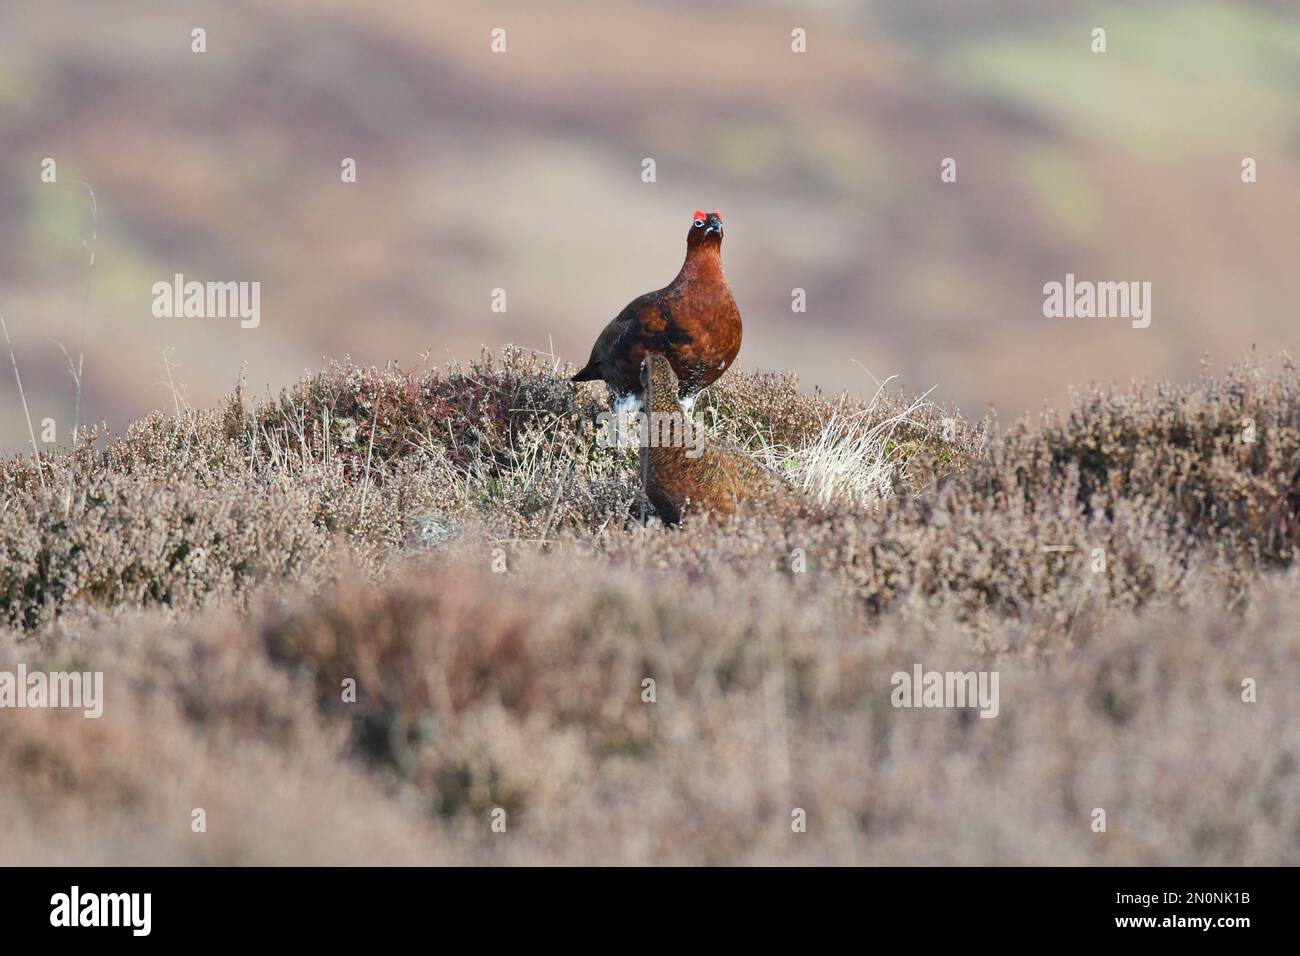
(693, 320)
(680, 475)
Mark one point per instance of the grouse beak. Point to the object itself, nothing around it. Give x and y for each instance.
(714, 225)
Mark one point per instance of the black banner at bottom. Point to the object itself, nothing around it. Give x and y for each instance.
(337, 906)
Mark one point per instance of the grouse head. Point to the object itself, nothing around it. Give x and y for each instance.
(706, 229)
(660, 383)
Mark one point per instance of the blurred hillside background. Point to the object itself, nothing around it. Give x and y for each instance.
(523, 171)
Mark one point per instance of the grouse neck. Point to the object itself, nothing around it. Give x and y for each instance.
(703, 262)
(666, 426)
(660, 400)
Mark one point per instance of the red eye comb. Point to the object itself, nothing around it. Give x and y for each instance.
(718, 213)
(699, 214)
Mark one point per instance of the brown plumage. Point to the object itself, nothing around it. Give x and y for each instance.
(676, 479)
(693, 320)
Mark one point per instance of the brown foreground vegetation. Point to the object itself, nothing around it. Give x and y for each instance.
(458, 544)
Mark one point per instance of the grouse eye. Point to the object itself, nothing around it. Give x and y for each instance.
(698, 223)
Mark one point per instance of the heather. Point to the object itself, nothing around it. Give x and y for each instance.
(457, 543)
